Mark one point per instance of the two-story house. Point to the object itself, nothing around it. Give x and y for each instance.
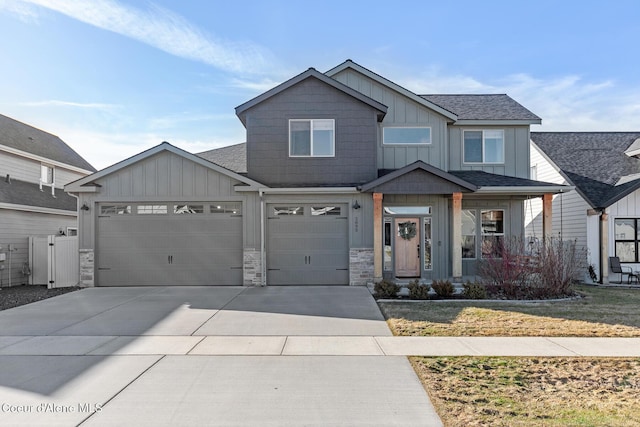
(345, 178)
(34, 166)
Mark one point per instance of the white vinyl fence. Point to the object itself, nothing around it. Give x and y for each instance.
(54, 261)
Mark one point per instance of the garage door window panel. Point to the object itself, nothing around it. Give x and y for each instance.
(226, 208)
(326, 211)
(115, 210)
(288, 210)
(152, 209)
(188, 209)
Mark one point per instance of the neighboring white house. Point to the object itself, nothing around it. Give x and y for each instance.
(34, 167)
(603, 213)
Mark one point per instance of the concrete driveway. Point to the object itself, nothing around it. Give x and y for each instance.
(205, 356)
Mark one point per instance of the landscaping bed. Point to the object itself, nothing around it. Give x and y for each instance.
(20, 295)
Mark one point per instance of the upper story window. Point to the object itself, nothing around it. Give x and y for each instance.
(484, 146)
(311, 138)
(406, 135)
(47, 174)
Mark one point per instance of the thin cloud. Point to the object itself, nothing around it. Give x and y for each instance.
(167, 31)
(58, 103)
(25, 12)
(565, 103)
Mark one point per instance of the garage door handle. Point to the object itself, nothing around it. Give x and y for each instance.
(104, 268)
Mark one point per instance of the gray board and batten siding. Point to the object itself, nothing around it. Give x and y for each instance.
(402, 111)
(516, 151)
(169, 179)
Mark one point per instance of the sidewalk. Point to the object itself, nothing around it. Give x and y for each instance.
(318, 346)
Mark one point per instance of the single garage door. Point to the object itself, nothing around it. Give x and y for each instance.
(308, 244)
(169, 244)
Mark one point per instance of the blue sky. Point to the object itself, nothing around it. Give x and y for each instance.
(115, 77)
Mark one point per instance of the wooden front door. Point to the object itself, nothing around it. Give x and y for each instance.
(407, 247)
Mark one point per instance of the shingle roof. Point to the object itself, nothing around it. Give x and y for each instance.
(485, 179)
(26, 138)
(483, 107)
(233, 157)
(593, 161)
(26, 193)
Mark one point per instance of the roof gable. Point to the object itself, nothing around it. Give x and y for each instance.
(418, 178)
(310, 73)
(87, 183)
(349, 64)
(594, 162)
(26, 139)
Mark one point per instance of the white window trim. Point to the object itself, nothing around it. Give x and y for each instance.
(483, 147)
(333, 148)
(408, 144)
(482, 234)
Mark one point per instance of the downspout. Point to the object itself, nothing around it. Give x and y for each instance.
(600, 247)
(263, 269)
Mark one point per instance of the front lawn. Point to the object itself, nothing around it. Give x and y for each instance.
(532, 391)
(602, 312)
(528, 391)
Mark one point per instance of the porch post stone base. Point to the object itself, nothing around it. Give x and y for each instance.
(251, 268)
(86, 268)
(361, 266)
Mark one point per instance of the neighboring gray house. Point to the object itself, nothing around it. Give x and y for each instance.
(603, 214)
(345, 178)
(34, 166)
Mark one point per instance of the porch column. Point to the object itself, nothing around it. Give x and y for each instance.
(547, 216)
(604, 247)
(377, 237)
(456, 245)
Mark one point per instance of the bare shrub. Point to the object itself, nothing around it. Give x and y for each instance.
(547, 270)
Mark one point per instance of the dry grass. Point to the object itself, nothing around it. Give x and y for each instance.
(493, 391)
(528, 391)
(602, 312)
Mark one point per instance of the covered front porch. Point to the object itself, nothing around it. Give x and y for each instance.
(434, 225)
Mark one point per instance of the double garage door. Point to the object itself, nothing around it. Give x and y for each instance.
(169, 244)
(178, 243)
(307, 244)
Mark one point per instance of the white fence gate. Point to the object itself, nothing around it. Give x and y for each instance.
(54, 261)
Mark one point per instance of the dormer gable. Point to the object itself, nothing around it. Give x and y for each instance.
(310, 73)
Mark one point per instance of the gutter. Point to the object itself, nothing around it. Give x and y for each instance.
(301, 190)
(526, 190)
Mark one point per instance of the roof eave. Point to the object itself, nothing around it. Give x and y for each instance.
(498, 122)
(529, 191)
